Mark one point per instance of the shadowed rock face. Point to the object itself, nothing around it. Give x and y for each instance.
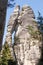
(3, 6)
(27, 39)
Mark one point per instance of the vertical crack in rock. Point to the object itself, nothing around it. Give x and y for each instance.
(12, 23)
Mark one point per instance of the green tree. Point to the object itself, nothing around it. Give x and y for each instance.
(10, 4)
(40, 22)
(40, 26)
(6, 55)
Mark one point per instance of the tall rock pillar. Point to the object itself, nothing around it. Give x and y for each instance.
(11, 25)
(27, 38)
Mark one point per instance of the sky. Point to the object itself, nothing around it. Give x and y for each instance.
(36, 5)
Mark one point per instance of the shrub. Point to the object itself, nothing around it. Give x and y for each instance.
(6, 55)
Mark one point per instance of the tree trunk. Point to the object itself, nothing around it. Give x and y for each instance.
(3, 7)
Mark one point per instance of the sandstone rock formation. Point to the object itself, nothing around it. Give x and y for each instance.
(27, 39)
(11, 26)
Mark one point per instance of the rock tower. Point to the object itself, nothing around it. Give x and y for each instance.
(11, 26)
(27, 39)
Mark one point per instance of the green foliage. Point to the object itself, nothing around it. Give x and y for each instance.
(34, 34)
(6, 55)
(0, 61)
(40, 21)
(11, 3)
(29, 28)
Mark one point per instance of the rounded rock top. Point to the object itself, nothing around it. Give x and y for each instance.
(17, 8)
(26, 7)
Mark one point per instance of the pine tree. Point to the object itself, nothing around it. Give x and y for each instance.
(40, 22)
(6, 55)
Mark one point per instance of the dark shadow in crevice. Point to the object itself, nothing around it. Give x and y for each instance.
(13, 62)
(10, 62)
(40, 61)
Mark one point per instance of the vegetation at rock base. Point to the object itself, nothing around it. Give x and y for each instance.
(6, 58)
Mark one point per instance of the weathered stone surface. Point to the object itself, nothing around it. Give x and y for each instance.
(27, 41)
(27, 51)
(12, 22)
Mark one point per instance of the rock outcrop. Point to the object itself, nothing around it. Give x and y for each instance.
(27, 39)
(11, 26)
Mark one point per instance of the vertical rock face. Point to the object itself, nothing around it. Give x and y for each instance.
(11, 25)
(27, 39)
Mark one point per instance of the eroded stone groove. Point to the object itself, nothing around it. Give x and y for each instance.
(27, 38)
